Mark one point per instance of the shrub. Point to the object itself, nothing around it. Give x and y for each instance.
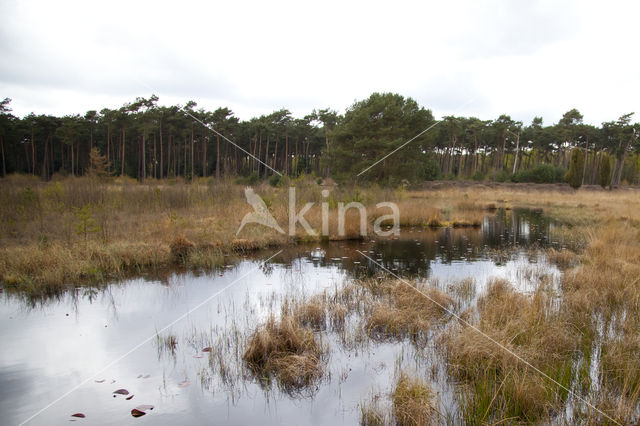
(275, 180)
(250, 180)
(431, 169)
(542, 173)
(604, 175)
(478, 176)
(576, 168)
(499, 176)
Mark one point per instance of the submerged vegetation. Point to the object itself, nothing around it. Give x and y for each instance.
(576, 339)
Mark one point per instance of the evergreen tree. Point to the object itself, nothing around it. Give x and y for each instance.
(605, 171)
(576, 168)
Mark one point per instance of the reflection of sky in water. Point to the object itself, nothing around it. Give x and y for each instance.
(47, 352)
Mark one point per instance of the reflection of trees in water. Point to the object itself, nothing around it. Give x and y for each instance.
(412, 253)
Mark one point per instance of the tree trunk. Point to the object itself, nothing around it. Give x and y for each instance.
(168, 154)
(44, 173)
(161, 149)
(108, 146)
(33, 154)
(72, 173)
(144, 150)
(266, 157)
(122, 153)
(259, 152)
(217, 156)
(4, 166)
(286, 153)
(192, 153)
(155, 158)
(586, 158)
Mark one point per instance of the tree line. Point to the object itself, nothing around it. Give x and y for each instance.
(144, 140)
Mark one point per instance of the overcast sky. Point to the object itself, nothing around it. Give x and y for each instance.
(480, 58)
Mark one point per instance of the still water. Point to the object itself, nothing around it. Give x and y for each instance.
(69, 354)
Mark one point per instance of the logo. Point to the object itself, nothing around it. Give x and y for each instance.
(261, 216)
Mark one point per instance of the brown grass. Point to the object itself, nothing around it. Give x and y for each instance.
(413, 402)
(403, 310)
(502, 385)
(285, 350)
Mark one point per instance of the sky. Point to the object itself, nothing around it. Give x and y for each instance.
(471, 58)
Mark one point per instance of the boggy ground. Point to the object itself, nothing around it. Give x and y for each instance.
(59, 233)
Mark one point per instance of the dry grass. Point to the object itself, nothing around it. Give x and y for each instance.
(402, 310)
(413, 402)
(312, 313)
(147, 218)
(503, 387)
(285, 350)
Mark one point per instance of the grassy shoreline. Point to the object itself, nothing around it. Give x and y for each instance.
(80, 230)
(48, 243)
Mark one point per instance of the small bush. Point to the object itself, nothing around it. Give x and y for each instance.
(478, 176)
(181, 248)
(430, 169)
(576, 168)
(275, 180)
(542, 173)
(499, 176)
(604, 174)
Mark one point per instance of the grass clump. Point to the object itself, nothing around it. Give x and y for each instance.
(181, 248)
(312, 313)
(372, 414)
(287, 351)
(413, 402)
(495, 384)
(404, 310)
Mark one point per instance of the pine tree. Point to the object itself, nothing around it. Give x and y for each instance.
(98, 164)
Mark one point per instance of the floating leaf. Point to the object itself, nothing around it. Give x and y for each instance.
(137, 413)
(129, 397)
(184, 384)
(121, 392)
(100, 381)
(207, 349)
(198, 356)
(80, 415)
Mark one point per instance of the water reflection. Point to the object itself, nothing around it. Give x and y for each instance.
(73, 335)
(414, 251)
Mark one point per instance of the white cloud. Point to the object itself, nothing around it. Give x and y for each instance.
(520, 58)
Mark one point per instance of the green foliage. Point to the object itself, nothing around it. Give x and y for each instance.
(478, 176)
(499, 176)
(250, 180)
(275, 180)
(604, 174)
(373, 128)
(542, 173)
(576, 168)
(431, 169)
(86, 222)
